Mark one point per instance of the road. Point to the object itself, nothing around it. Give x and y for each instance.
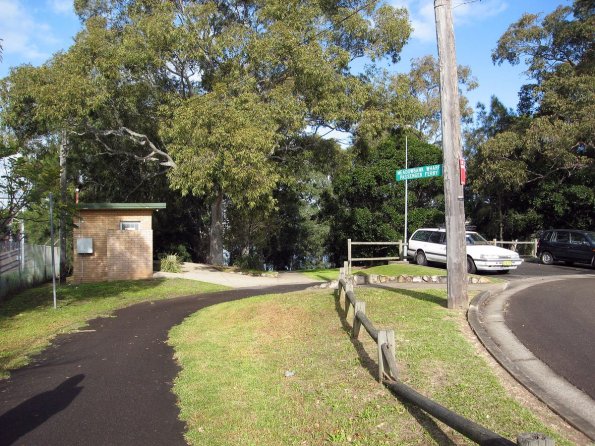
(555, 322)
(532, 268)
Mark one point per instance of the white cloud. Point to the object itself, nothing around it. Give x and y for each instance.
(21, 34)
(466, 11)
(61, 6)
(421, 13)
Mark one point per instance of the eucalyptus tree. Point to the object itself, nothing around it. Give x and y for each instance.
(211, 91)
(420, 88)
(544, 158)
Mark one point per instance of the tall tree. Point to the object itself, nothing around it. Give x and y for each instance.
(367, 203)
(211, 90)
(422, 83)
(547, 158)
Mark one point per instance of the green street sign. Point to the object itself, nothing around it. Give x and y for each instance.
(434, 170)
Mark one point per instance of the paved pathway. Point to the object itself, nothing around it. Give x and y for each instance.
(109, 384)
(206, 273)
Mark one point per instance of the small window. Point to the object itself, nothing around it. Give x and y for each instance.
(421, 236)
(578, 239)
(129, 225)
(563, 237)
(435, 237)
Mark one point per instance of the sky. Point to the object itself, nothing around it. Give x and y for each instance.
(33, 30)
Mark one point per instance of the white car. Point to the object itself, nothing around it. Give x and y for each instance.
(429, 245)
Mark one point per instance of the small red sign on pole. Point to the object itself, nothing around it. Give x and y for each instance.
(462, 171)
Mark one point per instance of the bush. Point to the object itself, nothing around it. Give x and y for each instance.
(171, 264)
(250, 261)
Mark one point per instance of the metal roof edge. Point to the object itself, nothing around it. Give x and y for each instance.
(115, 206)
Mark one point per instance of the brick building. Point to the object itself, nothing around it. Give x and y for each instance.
(113, 241)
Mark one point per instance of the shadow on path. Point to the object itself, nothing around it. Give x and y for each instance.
(37, 410)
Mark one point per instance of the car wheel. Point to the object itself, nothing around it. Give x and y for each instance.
(547, 258)
(471, 268)
(420, 258)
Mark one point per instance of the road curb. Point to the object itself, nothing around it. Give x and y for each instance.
(486, 318)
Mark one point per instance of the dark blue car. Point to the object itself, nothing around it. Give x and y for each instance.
(566, 245)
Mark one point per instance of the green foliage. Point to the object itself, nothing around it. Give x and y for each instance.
(419, 92)
(249, 262)
(216, 91)
(368, 204)
(171, 263)
(536, 170)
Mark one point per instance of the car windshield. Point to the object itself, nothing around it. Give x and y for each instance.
(591, 235)
(473, 238)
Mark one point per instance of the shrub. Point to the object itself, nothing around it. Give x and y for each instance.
(170, 263)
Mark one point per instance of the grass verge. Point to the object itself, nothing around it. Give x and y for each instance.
(28, 321)
(405, 269)
(282, 370)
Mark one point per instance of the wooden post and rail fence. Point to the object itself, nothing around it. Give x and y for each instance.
(388, 375)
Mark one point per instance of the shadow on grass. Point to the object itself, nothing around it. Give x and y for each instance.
(419, 295)
(364, 358)
(41, 296)
(369, 364)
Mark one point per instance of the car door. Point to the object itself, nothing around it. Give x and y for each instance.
(579, 248)
(560, 245)
(436, 247)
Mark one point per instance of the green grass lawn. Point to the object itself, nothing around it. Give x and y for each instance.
(234, 389)
(406, 269)
(28, 320)
(397, 269)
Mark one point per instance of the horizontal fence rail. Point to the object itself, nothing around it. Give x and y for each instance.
(388, 375)
(527, 248)
(351, 259)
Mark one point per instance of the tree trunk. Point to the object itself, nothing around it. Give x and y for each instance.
(216, 232)
(62, 212)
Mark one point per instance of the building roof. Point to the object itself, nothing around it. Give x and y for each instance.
(121, 206)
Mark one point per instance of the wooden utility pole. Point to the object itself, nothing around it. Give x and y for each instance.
(456, 252)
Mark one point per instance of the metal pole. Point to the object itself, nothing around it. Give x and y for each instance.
(456, 251)
(22, 244)
(52, 247)
(406, 201)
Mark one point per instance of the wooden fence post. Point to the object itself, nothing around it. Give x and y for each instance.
(348, 287)
(385, 337)
(340, 289)
(534, 439)
(402, 254)
(361, 307)
(534, 252)
(349, 255)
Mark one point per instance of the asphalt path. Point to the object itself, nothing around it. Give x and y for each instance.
(555, 322)
(109, 384)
